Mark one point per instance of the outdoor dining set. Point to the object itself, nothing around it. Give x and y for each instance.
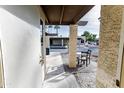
(83, 57)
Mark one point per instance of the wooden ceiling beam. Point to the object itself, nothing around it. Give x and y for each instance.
(62, 14)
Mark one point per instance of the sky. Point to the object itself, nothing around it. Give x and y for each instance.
(92, 25)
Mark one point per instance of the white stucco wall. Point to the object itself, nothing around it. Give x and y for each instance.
(20, 35)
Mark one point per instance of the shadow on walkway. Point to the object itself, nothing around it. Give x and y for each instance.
(59, 75)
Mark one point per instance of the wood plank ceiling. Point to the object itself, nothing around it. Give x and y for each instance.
(64, 14)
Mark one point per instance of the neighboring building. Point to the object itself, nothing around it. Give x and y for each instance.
(53, 41)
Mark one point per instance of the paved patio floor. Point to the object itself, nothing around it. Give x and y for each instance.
(56, 75)
(60, 76)
(85, 76)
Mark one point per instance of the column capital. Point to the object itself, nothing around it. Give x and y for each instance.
(73, 25)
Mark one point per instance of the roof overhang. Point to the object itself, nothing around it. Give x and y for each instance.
(64, 14)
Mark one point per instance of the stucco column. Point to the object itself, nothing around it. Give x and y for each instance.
(72, 46)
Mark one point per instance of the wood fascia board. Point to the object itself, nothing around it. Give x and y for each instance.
(41, 13)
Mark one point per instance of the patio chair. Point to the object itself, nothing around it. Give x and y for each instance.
(89, 55)
(83, 59)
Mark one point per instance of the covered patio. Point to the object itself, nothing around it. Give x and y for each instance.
(61, 68)
(64, 15)
(110, 62)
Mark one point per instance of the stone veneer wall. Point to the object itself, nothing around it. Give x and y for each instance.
(110, 27)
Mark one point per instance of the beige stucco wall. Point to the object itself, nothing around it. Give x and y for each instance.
(110, 28)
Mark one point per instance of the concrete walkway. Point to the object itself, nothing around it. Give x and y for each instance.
(56, 76)
(60, 76)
